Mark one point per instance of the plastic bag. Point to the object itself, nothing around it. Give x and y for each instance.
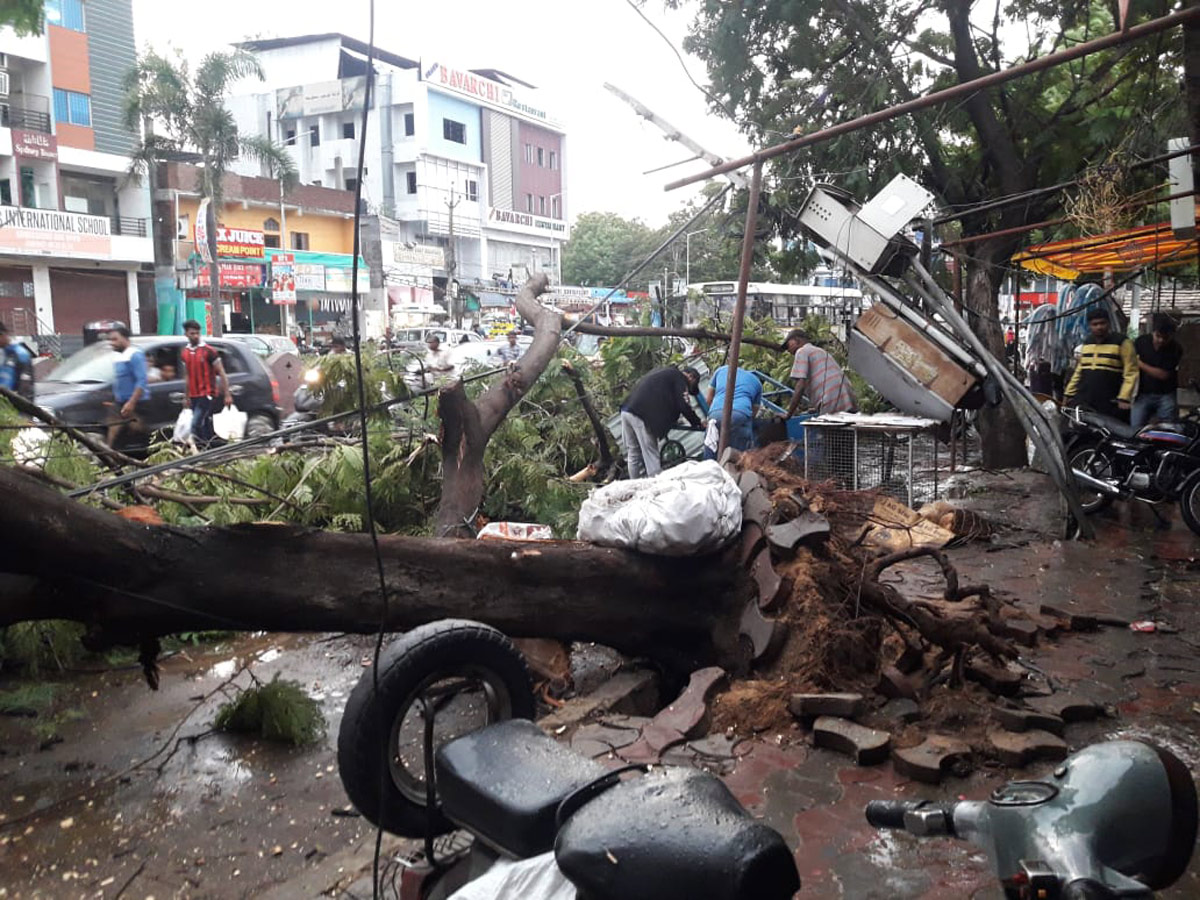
(693, 508)
(183, 427)
(230, 424)
(536, 878)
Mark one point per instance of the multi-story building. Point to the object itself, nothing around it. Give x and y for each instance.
(74, 229)
(309, 230)
(465, 169)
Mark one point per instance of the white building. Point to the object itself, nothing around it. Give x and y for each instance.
(465, 168)
(75, 233)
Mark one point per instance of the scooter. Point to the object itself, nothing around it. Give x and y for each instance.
(306, 405)
(1115, 820)
(438, 744)
(1155, 464)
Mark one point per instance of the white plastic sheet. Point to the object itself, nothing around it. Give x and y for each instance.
(230, 424)
(536, 878)
(693, 508)
(183, 427)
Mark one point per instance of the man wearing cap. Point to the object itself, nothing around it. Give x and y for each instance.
(816, 374)
(1107, 371)
(652, 407)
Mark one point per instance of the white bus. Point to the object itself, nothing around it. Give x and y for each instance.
(832, 298)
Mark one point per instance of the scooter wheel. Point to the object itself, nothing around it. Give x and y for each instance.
(466, 675)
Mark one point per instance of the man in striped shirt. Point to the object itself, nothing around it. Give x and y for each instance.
(202, 366)
(818, 376)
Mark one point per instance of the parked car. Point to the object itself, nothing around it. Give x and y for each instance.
(483, 352)
(264, 345)
(414, 338)
(77, 390)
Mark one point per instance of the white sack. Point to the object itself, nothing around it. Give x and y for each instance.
(230, 424)
(183, 427)
(693, 508)
(536, 878)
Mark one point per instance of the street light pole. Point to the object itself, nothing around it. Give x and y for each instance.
(687, 254)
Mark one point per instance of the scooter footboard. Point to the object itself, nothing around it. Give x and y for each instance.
(674, 834)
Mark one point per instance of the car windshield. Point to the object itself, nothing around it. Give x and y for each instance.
(258, 345)
(91, 365)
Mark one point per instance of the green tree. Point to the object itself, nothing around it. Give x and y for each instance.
(787, 66)
(603, 248)
(23, 16)
(182, 115)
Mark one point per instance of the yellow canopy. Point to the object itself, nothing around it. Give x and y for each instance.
(1118, 251)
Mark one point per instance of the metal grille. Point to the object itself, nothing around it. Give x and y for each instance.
(897, 461)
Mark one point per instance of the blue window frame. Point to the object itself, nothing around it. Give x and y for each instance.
(65, 13)
(72, 108)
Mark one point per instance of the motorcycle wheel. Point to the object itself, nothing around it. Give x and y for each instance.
(1092, 459)
(1189, 502)
(469, 674)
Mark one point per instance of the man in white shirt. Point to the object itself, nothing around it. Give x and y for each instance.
(438, 367)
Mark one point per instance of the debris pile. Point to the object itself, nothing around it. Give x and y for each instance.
(861, 632)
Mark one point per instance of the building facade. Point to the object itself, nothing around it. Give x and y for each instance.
(284, 260)
(464, 170)
(75, 235)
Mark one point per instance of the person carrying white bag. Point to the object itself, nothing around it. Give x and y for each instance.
(202, 367)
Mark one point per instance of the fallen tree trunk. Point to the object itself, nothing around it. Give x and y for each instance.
(132, 582)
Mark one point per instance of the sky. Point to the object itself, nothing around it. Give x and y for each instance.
(567, 48)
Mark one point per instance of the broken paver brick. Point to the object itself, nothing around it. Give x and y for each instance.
(1028, 720)
(894, 683)
(756, 507)
(1067, 707)
(931, 759)
(689, 708)
(866, 746)
(1023, 631)
(1018, 749)
(753, 540)
(900, 709)
(786, 535)
(999, 681)
(770, 586)
(847, 706)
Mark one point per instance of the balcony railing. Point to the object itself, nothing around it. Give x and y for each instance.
(128, 227)
(28, 111)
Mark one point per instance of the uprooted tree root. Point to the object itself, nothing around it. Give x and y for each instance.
(846, 623)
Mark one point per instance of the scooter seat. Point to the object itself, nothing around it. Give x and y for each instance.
(1116, 426)
(673, 834)
(505, 782)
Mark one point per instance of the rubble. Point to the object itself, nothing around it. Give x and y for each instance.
(1020, 748)
(931, 759)
(866, 746)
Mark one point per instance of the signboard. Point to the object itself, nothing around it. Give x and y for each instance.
(484, 90)
(240, 243)
(47, 232)
(283, 279)
(420, 255)
(34, 145)
(528, 223)
(202, 236)
(310, 277)
(337, 280)
(234, 275)
(346, 95)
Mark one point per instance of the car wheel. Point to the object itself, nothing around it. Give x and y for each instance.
(258, 425)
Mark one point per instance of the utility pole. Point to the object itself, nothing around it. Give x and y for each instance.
(452, 265)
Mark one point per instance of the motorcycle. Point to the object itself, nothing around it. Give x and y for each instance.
(306, 405)
(1155, 464)
(438, 744)
(1115, 820)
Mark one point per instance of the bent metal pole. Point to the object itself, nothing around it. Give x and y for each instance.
(953, 93)
(739, 310)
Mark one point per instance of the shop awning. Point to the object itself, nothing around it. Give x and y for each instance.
(1117, 251)
(493, 300)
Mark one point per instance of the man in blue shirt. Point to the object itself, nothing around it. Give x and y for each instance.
(16, 365)
(747, 396)
(129, 381)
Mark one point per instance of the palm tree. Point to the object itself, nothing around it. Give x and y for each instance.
(182, 115)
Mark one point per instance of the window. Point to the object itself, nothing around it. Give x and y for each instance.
(472, 189)
(553, 160)
(556, 207)
(314, 135)
(65, 14)
(529, 203)
(412, 181)
(299, 240)
(454, 131)
(271, 240)
(352, 184)
(529, 153)
(5, 192)
(541, 206)
(541, 158)
(28, 196)
(348, 130)
(410, 125)
(290, 137)
(271, 224)
(71, 108)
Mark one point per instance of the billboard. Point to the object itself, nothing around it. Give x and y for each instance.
(321, 98)
(46, 232)
(283, 279)
(239, 243)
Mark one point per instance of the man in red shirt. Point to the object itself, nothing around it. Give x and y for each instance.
(201, 368)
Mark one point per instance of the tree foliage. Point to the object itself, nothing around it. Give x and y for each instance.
(603, 248)
(25, 17)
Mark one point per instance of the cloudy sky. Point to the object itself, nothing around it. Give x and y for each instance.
(568, 48)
